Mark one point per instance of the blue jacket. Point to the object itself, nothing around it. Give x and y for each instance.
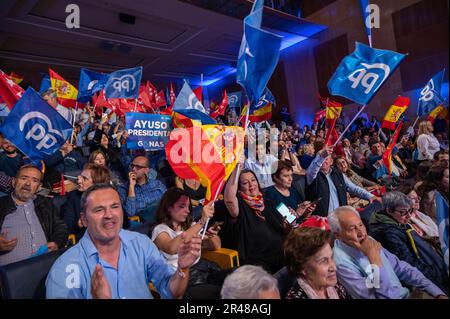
(403, 241)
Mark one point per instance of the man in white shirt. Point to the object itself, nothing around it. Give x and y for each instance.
(51, 98)
(263, 165)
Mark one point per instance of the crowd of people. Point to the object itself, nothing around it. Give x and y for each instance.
(358, 232)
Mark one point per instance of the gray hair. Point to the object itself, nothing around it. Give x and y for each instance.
(333, 218)
(394, 199)
(247, 282)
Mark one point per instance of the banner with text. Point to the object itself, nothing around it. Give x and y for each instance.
(147, 131)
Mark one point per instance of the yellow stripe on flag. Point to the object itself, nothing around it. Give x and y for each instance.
(333, 112)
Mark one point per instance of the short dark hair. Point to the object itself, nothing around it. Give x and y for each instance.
(373, 141)
(438, 153)
(26, 166)
(93, 188)
(287, 165)
(301, 244)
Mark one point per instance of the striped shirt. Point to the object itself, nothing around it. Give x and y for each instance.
(25, 226)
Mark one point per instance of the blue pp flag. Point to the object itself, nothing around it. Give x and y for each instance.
(360, 75)
(430, 96)
(124, 84)
(35, 128)
(442, 221)
(90, 82)
(188, 105)
(258, 55)
(45, 84)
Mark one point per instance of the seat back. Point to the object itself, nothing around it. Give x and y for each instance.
(285, 281)
(25, 279)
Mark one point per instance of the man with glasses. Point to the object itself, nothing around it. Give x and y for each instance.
(392, 229)
(140, 192)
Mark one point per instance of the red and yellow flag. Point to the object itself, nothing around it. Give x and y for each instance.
(207, 153)
(438, 111)
(395, 111)
(259, 115)
(333, 112)
(16, 77)
(66, 92)
(181, 121)
(387, 156)
(221, 108)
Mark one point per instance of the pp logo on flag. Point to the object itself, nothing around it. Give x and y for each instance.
(427, 93)
(38, 132)
(367, 79)
(126, 82)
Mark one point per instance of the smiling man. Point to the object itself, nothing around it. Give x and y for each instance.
(110, 262)
(29, 224)
(365, 268)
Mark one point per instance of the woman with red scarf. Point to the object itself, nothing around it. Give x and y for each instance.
(258, 229)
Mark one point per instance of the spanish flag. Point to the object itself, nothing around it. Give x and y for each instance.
(438, 111)
(181, 121)
(259, 115)
(333, 112)
(395, 111)
(207, 153)
(66, 92)
(387, 156)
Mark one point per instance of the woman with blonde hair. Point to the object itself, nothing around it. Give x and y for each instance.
(427, 143)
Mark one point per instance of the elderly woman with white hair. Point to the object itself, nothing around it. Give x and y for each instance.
(365, 268)
(250, 282)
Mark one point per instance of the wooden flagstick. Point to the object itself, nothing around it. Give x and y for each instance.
(349, 124)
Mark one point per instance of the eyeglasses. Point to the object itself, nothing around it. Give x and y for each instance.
(415, 198)
(404, 212)
(137, 167)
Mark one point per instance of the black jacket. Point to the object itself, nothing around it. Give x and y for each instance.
(54, 228)
(319, 189)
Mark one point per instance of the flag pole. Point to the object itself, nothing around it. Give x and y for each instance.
(349, 124)
(214, 198)
(73, 123)
(245, 132)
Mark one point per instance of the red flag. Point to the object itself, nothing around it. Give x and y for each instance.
(387, 156)
(63, 186)
(10, 91)
(172, 96)
(166, 111)
(152, 92)
(144, 99)
(199, 93)
(320, 115)
(326, 101)
(16, 77)
(222, 107)
(160, 99)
